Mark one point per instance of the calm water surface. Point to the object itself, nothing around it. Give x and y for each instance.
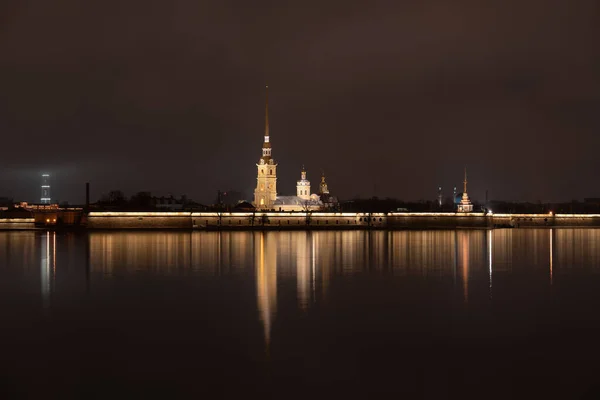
(427, 314)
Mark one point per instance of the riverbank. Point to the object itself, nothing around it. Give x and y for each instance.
(98, 220)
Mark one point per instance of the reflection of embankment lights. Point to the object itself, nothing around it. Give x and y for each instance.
(550, 213)
(47, 220)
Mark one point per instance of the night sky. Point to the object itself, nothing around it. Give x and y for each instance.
(389, 98)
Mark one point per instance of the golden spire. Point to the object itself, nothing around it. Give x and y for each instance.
(465, 182)
(267, 115)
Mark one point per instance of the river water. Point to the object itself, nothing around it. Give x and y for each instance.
(424, 314)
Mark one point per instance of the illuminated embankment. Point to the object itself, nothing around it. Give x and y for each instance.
(293, 220)
(319, 220)
(17, 223)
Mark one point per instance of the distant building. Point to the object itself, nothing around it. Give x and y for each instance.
(169, 203)
(329, 201)
(229, 198)
(36, 207)
(465, 204)
(244, 206)
(45, 199)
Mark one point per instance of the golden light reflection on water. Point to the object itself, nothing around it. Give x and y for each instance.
(266, 281)
(315, 259)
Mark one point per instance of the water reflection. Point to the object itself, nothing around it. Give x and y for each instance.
(266, 281)
(316, 299)
(47, 266)
(314, 258)
(310, 261)
(305, 264)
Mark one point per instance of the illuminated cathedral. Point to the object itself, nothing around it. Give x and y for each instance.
(265, 194)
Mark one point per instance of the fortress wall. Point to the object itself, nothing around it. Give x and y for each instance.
(17, 223)
(577, 220)
(141, 220)
(316, 220)
(523, 220)
(280, 220)
(437, 220)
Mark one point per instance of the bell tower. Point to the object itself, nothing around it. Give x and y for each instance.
(303, 186)
(265, 193)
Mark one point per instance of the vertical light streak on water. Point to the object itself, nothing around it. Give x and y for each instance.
(53, 258)
(464, 239)
(266, 285)
(45, 270)
(303, 279)
(551, 256)
(314, 262)
(455, 254)
(490, 253)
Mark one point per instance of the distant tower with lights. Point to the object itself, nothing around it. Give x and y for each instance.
(303, 186)
(45, 199)
(265, 193)
(323, 189)
(439, 197)
(465, 204)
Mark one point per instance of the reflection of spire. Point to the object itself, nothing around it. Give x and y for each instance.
(464, 260)
(266, 285)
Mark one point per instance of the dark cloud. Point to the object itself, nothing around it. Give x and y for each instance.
(391, 98)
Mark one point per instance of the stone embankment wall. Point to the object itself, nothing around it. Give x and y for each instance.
(315, 220)
(139, 220)
(17, 223)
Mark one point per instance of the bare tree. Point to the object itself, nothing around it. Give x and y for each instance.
(307, 210)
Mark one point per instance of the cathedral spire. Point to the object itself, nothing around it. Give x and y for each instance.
(266, 148)
(267, 115)
(465, 182)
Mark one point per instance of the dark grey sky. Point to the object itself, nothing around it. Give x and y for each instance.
(397, 96)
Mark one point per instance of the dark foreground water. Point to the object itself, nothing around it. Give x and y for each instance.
(432, 314)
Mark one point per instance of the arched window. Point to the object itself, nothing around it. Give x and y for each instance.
(271, 172)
